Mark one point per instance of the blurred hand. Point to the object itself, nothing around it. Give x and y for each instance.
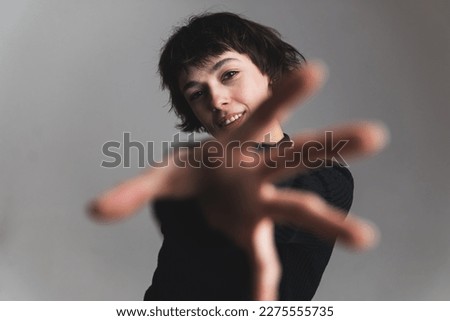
(241, 200)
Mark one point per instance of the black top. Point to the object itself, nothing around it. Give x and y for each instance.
(198, 263)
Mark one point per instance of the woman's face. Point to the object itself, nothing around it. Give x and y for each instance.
(226, 90)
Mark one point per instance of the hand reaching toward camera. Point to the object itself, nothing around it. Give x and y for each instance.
(238, 195)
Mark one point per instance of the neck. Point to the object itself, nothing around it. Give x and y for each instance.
(273, 135)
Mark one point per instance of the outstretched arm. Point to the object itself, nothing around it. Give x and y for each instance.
(242, 201)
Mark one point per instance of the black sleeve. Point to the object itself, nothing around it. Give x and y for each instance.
(304, 256)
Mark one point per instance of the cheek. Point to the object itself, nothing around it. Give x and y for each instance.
(256, 95)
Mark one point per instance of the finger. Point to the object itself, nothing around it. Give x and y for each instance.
(291, 90)
(311, 150)
(264, 259)
(128, 197)
(308, 211)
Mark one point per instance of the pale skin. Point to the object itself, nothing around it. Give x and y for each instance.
(243, 202)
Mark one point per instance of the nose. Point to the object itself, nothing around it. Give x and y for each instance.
(220, 99)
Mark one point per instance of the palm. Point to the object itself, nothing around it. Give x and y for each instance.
(242, 201)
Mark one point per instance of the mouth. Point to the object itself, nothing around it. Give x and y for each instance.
(231, 120)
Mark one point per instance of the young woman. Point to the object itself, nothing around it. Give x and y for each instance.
(252, 230)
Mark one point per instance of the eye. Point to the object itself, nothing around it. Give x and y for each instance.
(195, 95)
(229, 74)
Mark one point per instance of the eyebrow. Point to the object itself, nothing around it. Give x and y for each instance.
(216, 66)
(221, 63)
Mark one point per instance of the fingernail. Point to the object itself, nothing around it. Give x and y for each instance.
(320, 68)
(368, 236)
(363, 236)
(380, 135)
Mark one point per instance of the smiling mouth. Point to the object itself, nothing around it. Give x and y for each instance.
(230, 119)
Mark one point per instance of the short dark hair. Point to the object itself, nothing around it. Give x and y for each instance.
(211, 34)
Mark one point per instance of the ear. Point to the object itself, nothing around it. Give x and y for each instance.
(273, 80)
(271, 85)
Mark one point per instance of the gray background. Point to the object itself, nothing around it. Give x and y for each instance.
(75, 74)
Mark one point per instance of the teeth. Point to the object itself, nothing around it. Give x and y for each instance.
(232, 119)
